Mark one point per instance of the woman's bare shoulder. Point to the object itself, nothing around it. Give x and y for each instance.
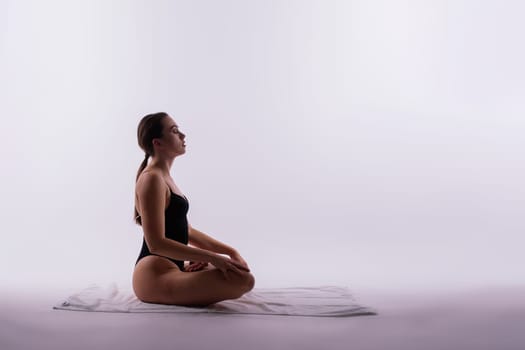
(149, 180)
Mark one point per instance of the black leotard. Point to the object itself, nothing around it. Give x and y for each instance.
(175, 226)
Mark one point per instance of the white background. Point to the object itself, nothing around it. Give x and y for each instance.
(374, 144)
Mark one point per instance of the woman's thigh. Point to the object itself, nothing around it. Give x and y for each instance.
(205, 287)
(158, 280)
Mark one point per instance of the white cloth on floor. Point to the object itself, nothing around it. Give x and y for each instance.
(298, 301)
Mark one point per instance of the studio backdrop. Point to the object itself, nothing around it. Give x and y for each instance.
(373, 144)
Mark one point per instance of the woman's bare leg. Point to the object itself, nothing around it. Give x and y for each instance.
(158, 280)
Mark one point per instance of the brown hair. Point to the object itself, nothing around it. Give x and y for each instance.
(150, 127)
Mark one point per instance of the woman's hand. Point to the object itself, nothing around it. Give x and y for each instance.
(196, 266)
(225, 264)
(235, 256)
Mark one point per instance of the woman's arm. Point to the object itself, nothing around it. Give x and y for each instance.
(202, 240)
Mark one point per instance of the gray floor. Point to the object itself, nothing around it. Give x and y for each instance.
(480, 319)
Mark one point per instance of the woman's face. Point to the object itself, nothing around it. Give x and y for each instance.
(172, 137)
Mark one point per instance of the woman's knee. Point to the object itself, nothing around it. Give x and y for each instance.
(246, 282)
(250, 282)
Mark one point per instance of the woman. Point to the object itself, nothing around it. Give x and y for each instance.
(160, 208)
